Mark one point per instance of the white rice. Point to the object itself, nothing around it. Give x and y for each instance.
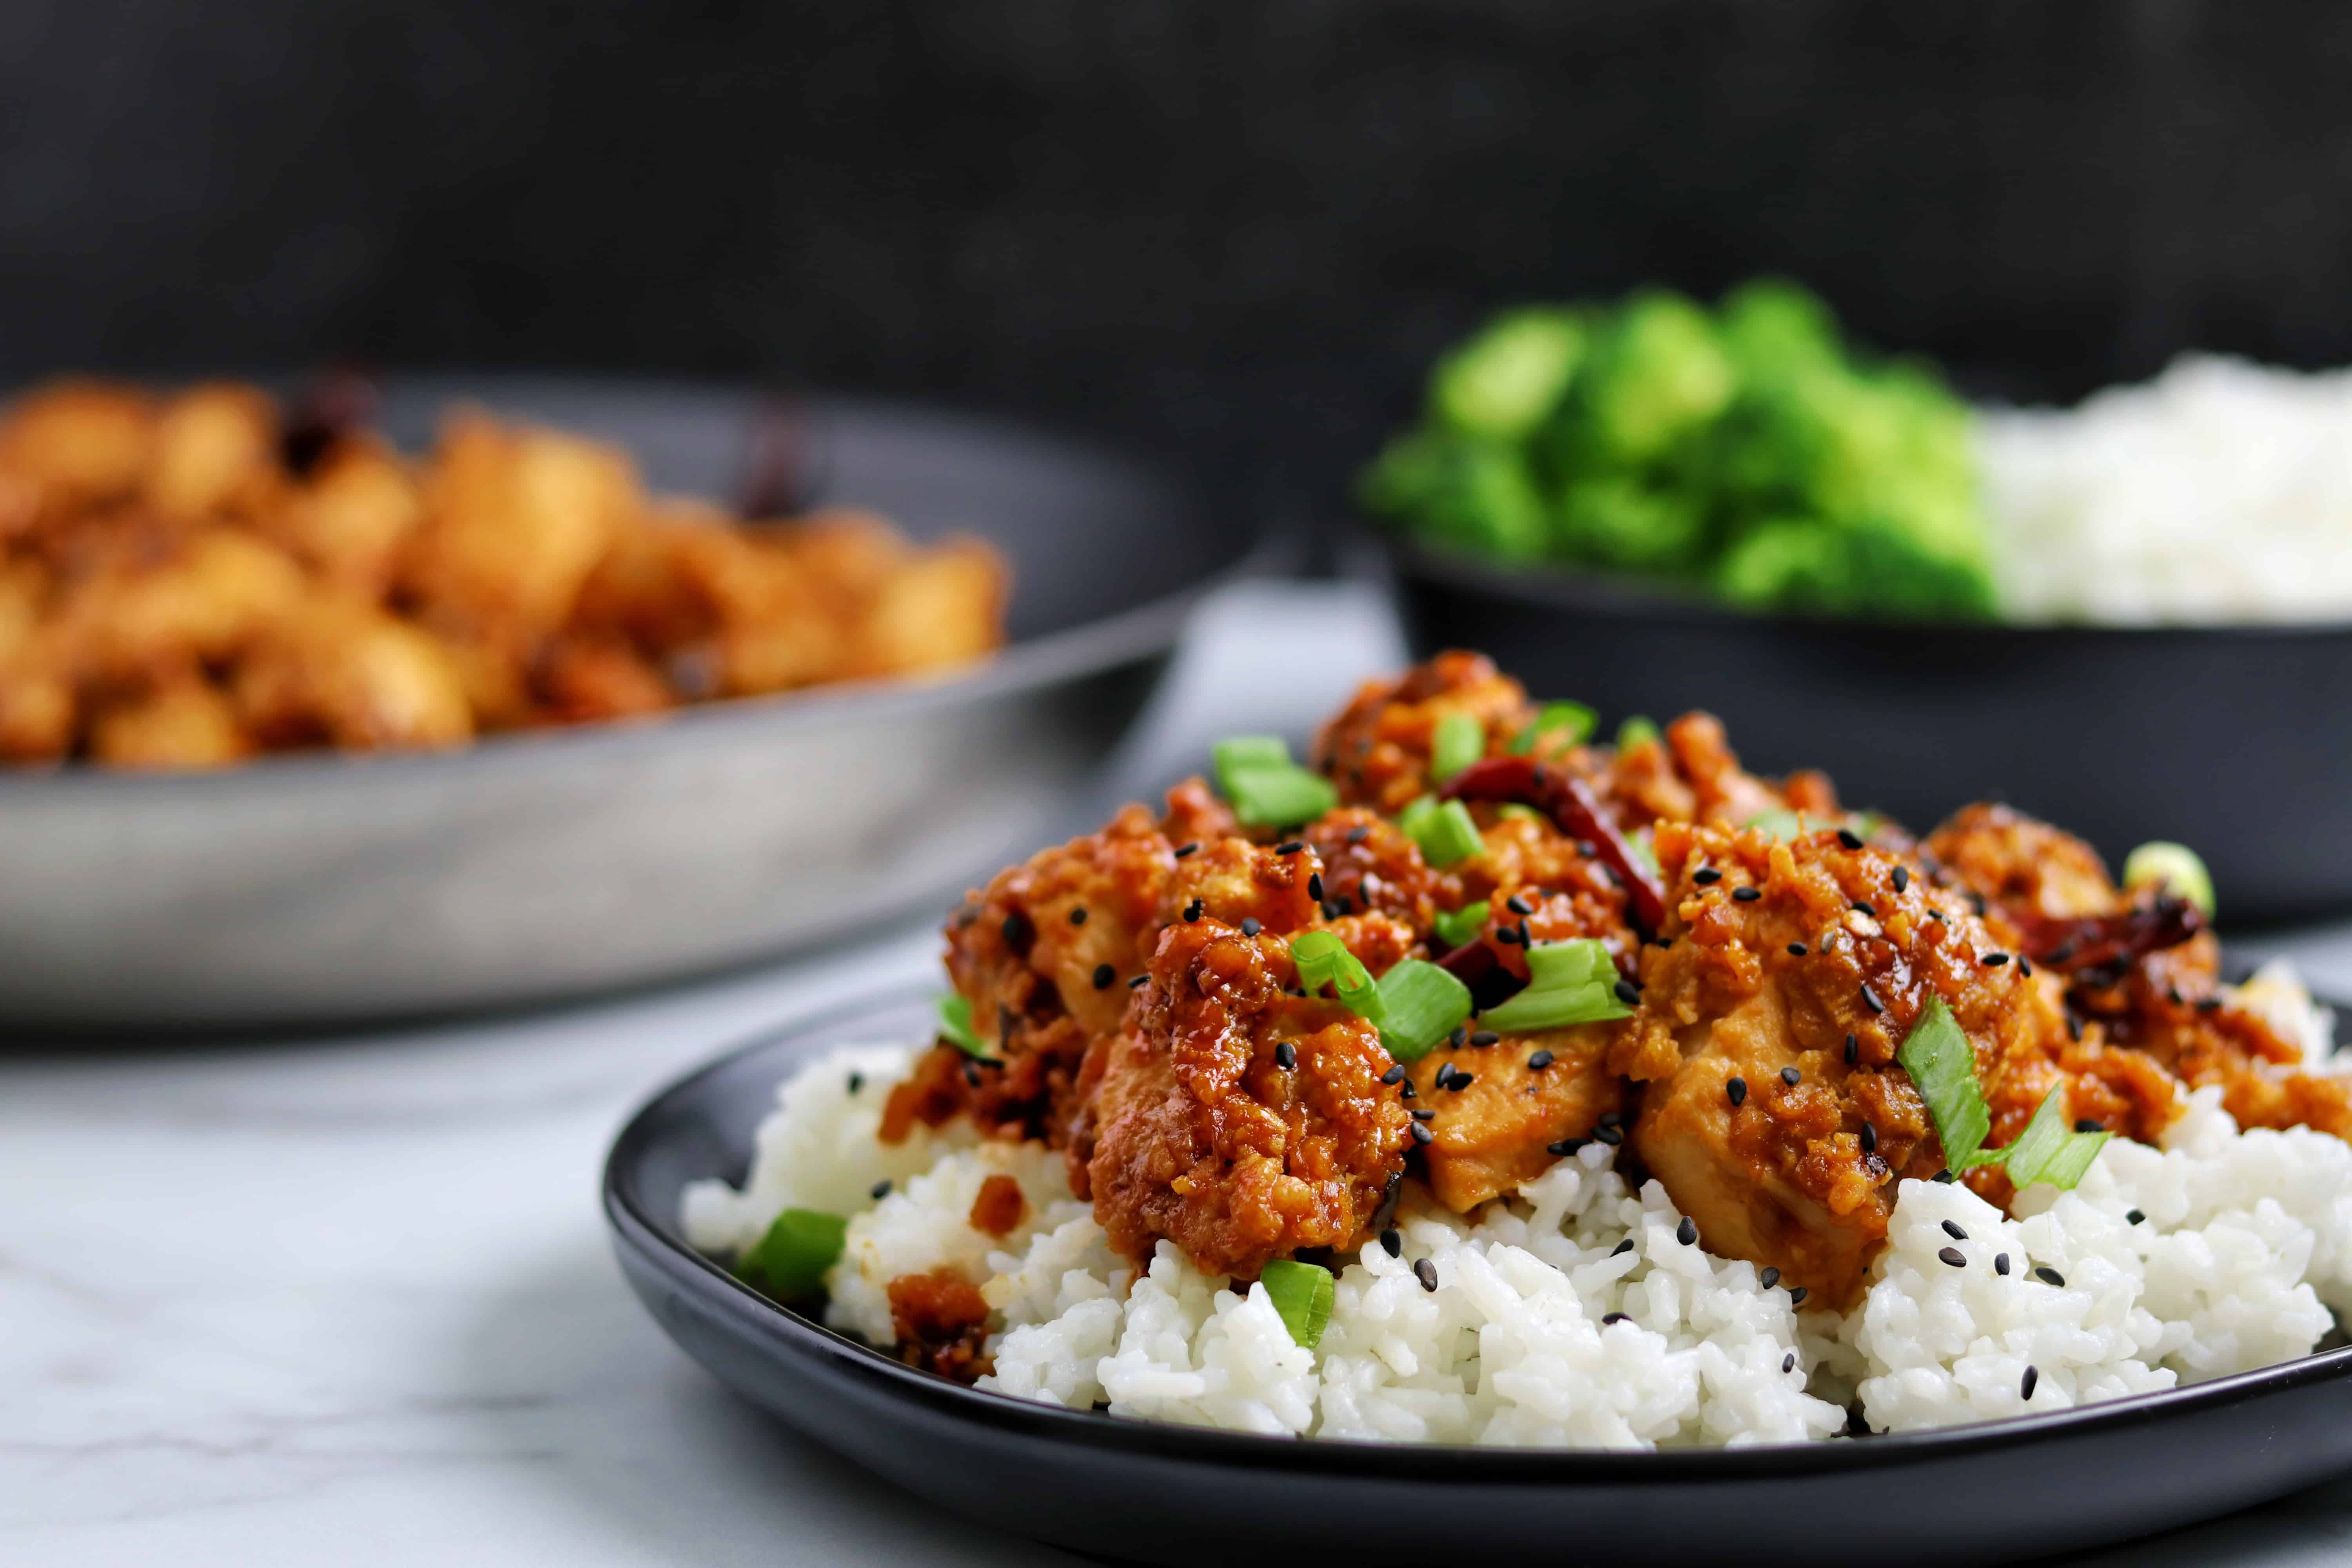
(2219, 491)
(2245, 1245)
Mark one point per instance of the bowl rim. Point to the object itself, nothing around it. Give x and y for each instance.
(1596, 591)
(658, 1244)
(1086, 648)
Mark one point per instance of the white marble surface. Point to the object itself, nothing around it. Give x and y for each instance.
(349, 1300)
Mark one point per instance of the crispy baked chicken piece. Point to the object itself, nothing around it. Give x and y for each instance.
(1688, 772)
(345, 674)
(1778, 954)
(353, 514)
(1378, 749)
(70, 446)
(200, 604)
(178, 721)
(1231, 1116)
(2140, 975)
(214, 455)
(1501, 1104)
(944, 607)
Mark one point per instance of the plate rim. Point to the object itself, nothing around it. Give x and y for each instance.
(658, 1244)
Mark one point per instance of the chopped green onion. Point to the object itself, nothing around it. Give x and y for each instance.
(1323, 960)
(1579, 721)
(955, 1026)
(1444, 829)
(1635, 731)
(1455, 927)
(1784, 825)
(1460, 740)
(1568, 982)
(1643, 854)
(1266, 788)
(2173, 865)
(1302, 1294)
(1943, 1065)
(1423, 1003)
(790, 1262)
(1520, 810)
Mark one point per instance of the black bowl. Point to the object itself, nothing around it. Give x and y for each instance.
(1180, 1495)
(2230, 739)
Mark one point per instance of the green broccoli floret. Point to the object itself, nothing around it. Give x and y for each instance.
(1771, 325)
(1506, 381)
(1656, 374)
(1623, 523)
(1800, 563)
(1459, 490)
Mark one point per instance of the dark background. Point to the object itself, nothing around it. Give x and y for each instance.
(1233, 233)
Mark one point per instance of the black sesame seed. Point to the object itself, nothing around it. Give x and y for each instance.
(971, 1074)
(1853, 1049)
(1289, 846)
(1628, 992)
(1745, 895)
(1936, 915)
(1687, 1232)
(1421, 1134)
(2000, 1263)
(1078, 916)
(1359, 833)
(2025, 967)
(1485, 1037)
(1612, 1136)
(1861, 906)
(1315, 886)
(1539, 1061)
(1610, 1119)
(1526, 940)
(1423, 1115)
(1791, 1077)
(1250, 926)
(1508, 935)
(1797, 1297)
(1901, 878)
(1193, 912)
(1460, 1032)
(1869, 1139)
(1462, 1080)
(1392, 1242)
(1331, 910)
(1408, 1092)
(1518, 906)
(2133, 1216)
(1393, 1073)
(1796, 950)
(857, 1081)
(880, 1189)
(1564, 1148)
(2088, 1124)
(1615, 1318)
(1944, 1176)
(1769, 1277)
(1621, 1248)
(2025, 1384)
(1103, 975)
(1789, 1362)
(1184, 849)
(1994, 960)
(1426, 1272)
(1019, 932)
(1285, 1054)
(1139, 983)
(2204, 1005)
(1707, 876)
(1870, 1000)
(1952, 1228)
(1737, 1089)
(2050, 1276)
(1847, 837)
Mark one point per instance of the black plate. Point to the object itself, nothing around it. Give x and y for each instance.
(2231, 740)
(1178, 1495)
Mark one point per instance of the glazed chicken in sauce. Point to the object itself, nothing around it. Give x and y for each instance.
(1142, 1008)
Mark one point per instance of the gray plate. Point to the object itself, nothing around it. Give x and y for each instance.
(320, 888)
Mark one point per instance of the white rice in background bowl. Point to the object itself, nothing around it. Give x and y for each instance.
(1574, 1314)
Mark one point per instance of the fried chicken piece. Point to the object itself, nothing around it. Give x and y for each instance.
(24, 592)
(37, 710)
(1498, 1111)
(1785, 952)
(214, 455)
(73, 445)
(515, 520)
(350, 518)
(345, 674)
(588, 677)
(1378, 749)
(1202, 1134)
(2023, 865)
(1689, 772)
(202, 604)
(941, 1322)
(941, 609)
(182, 721)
